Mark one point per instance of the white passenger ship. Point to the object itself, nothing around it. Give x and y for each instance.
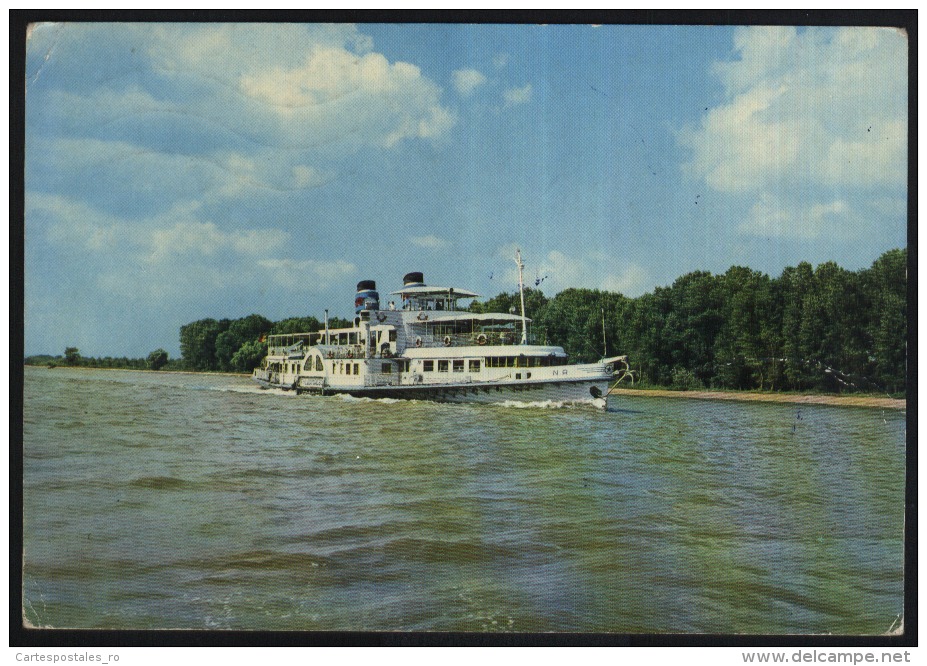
(429, 348)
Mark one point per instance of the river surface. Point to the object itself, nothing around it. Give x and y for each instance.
(163, 500)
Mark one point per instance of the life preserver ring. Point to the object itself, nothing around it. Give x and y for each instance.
(381, 317)
(609, 368)
(481, 339)
(422, 316)
(447, 341)
(418, 342)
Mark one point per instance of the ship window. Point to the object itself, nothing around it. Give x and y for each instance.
(357, 368)
(387, 368)
(474, 366)
(459, 366)
(392, 335)
(442, 366)
(429, 366)
(529, 376)
(318, 364)
(517, 375)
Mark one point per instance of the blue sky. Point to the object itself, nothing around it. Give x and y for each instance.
(181, 171)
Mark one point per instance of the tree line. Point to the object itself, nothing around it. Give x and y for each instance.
(156, 360)
(238, 345)
(810, 329)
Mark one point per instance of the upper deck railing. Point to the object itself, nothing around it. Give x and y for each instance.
(423, 340)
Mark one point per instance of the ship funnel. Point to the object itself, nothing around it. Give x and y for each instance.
(413, 280)
(367, 297)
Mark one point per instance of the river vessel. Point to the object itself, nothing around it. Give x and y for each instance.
(431, 347)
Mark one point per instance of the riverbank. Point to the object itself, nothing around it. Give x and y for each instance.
(746, 396)
(161, 371)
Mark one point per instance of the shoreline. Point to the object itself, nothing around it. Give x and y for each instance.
(734, 396)
(173, 372)
(748, 396)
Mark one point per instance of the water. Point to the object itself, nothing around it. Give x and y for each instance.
(194, 501)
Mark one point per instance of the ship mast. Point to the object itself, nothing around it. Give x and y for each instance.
(521, 291)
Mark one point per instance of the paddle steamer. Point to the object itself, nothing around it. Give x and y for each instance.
(430, 347)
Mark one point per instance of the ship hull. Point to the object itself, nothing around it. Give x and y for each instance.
(575, 390)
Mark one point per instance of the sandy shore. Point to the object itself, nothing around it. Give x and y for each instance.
(839, 400)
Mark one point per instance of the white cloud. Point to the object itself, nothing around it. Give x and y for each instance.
(777, 218)
(590, 270)
(226, 51)
(632, 280)
(467, 80)
(141, 176)
(813, 123)
(191, 237)
(173, 252)
(500, 60)
(305, 176)
(430, 242)
(300, 275)
(514, 96)
(820, 106)
(356, 98)
(309, 87)
(70, 223)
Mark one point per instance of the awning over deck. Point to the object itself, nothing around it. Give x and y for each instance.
(490, 317)
(434, 291)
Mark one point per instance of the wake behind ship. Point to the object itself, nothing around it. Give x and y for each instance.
(429, 348)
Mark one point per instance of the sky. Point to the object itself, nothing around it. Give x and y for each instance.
(181, 171)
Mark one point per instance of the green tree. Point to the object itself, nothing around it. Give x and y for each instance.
(573, 319)
(886, 320)
(298, 325)
(249, 356)
(157, 359)
(198, 343)
(641, 327)
(826, 326)
(692, 323)
(747, 347)
(795, 286)
(72, 355)
(239, 331)
(510, 303)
